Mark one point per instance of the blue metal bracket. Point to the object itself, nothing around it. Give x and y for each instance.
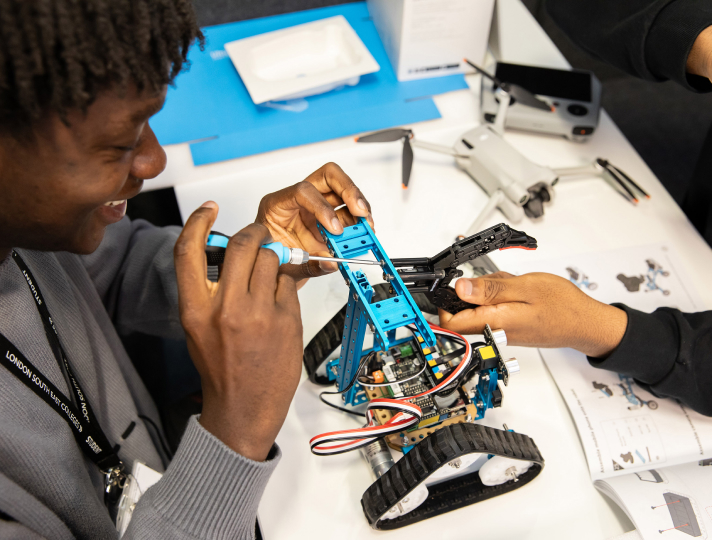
(383, 317)
(486, 386)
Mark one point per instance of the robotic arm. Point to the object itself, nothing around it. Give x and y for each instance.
(432, 275)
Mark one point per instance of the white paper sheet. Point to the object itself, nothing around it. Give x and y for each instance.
(672, 502)
(622, 427)
(642, 277)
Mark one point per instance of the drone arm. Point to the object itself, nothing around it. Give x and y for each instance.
(436, 147)
(570, 173)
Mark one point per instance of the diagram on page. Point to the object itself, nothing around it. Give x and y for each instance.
(652, 278)
(625, 389)
(623, 427)
(633, 441)
(673, 502)
(643, 277)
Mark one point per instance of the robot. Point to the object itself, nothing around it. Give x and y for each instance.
(654, 271)
(419, 388)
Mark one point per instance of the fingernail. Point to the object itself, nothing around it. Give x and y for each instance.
(336, 225)
(209, 204)
(466, 287)
(362, 205)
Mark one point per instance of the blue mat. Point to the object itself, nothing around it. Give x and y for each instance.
(211, 102)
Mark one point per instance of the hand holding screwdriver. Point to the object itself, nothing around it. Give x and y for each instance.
(217, 244)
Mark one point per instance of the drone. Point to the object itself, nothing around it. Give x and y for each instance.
(517, 186)
(423, 388)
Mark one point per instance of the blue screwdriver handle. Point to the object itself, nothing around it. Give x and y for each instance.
(282, 252)
(217, 244)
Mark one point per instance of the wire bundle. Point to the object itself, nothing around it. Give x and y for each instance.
(407, 414)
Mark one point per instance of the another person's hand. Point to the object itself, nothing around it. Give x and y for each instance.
(291, 214)
(699, 61)
(538, 310)
(244, 334)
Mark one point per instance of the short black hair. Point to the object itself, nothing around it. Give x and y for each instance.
(57, 55)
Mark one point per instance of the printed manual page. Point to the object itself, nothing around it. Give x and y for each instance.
(671, 502)
(622, 427)
(652, 456)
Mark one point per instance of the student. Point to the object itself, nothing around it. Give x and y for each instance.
(655, 40)
(78, 83)
(667, 351)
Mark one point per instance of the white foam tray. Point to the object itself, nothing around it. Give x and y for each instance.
(302, 60)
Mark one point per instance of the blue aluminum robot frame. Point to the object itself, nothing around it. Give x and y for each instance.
(384, 317)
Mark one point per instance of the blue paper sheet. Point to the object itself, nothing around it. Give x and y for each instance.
(211, 102)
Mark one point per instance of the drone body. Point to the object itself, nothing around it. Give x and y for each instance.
(516, 185)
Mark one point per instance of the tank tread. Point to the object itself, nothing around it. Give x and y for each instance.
(328, 339)
(435, 451)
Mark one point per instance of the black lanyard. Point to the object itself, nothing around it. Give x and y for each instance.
(81, 418)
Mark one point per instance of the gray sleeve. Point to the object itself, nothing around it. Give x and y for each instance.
(208, 491)
(12, 530)
(133, 272)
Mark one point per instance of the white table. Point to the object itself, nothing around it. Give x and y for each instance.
(319, 497)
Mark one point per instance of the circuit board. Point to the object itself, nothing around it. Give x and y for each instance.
(406, 363)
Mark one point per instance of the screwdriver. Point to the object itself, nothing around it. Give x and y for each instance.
(217, 243)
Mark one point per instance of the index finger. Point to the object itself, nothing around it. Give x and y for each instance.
(240, 257)
(189, 255)
(471, 321)
(331, 177)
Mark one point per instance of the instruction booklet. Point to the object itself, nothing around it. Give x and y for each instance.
(651, 456)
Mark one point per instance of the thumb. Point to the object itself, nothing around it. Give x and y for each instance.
(488, 290)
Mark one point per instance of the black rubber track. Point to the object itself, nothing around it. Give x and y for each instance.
(436, 451)
(328, 339)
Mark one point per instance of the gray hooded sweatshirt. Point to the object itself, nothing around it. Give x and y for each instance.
(48, 488)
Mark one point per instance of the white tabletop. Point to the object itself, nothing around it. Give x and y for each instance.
(319, 497)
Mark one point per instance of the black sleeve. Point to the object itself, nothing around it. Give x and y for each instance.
(669, 353)
(650, 39)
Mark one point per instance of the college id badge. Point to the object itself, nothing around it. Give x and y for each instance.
(141, 478)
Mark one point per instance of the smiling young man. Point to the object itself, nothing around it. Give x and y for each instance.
(79, 80)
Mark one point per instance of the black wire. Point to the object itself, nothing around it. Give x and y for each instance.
(343, 409)
(163, 442)
(464, 377)
(363, 362)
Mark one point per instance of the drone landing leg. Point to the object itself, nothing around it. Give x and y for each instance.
(504, 100)
(495, 200)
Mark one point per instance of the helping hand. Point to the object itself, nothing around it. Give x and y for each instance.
(244, 334)
(699, 60)
(290, 215)
(538, 310)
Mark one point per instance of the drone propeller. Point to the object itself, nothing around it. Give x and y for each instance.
(407, 162)
(387, 135)
(390, 135)
(519, 93)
